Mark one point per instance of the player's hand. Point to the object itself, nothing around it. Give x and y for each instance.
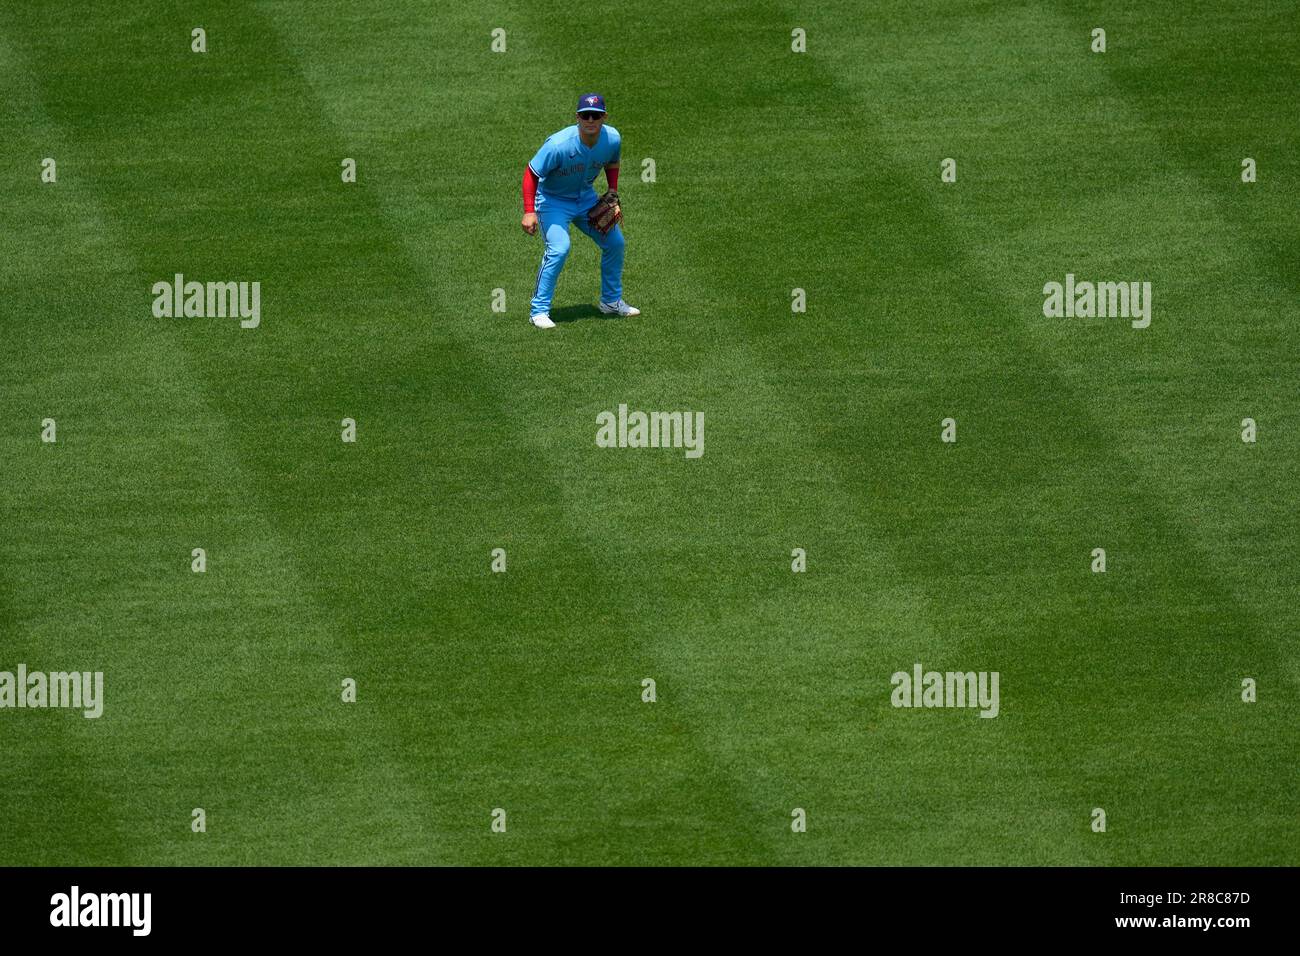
(530, 223)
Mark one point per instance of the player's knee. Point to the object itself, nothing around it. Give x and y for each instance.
(615, 239)
(557, 244)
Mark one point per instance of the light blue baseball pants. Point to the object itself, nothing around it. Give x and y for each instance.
(554, 214)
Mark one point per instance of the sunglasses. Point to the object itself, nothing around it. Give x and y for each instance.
(591, 116)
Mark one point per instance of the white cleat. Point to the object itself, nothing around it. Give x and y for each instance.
(619, 308)
(542, 320)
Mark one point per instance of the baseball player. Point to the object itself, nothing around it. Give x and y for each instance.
(558, 190)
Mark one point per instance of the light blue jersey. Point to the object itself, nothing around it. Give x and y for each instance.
(567, 168)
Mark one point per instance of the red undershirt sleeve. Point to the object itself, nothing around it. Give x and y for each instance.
(530, 189)
(611, 177)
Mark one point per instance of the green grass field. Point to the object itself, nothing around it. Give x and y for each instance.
(775, 170)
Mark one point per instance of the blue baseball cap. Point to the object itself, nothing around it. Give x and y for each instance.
(591, 103)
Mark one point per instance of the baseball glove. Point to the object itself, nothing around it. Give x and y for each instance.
(606, 213)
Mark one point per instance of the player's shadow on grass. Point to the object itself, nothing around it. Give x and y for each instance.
(574, 313)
